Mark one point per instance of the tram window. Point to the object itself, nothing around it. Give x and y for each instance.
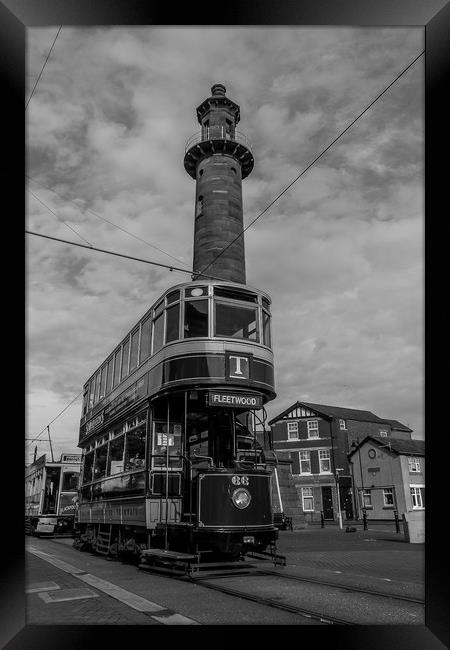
(195, 318)
(103, 383)
(173, 323)
(97, 387)
(173, 296)
(91, 393)
(100, 461)
(265, 303)
(109, 375)
(235, 322)
(159, 307)
(117, 366)
(134, 349)
(159, 484)
(85, 399)
(70, 481)
(162, 437)
(158, 332)
(115, 460)
(88, 465)
(234, 294)
(135, 449)
(126, 349)
(266, 328)
(145, 339)
(86, 493)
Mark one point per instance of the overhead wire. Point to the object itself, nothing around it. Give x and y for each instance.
(129, 257)
(37, 436)
(311, 163)
(59, 218)
(106, 220)
(42, 69)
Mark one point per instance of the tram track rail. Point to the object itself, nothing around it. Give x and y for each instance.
(337, 585)
(209, 583)
(269, 602)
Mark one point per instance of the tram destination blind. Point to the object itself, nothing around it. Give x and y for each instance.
(235, 400)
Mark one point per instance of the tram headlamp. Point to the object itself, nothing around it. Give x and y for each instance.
(241, 498)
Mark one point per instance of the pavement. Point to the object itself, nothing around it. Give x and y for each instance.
(377, 556)
(66, 587)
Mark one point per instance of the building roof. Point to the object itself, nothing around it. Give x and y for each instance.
(343, 413)
(395, 424)
(397, 445)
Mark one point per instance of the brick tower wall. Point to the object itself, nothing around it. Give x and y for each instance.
(218, 218)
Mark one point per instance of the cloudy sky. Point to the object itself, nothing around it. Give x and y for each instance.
(341, 253)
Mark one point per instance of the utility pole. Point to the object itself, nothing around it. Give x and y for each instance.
(338, 469)
(50, 441)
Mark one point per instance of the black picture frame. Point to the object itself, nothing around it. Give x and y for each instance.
(433, 15)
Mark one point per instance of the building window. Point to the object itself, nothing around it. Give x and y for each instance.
(305, 462)
(383, 433)
(324, 461)
(307, 499)
(414, 464)
(342, 424)
(313, 428)
(292, 428)
(199, 209)
(366, 498)
(417, 496)
(388, 497)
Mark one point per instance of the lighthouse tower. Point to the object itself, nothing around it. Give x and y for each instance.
(218, 158)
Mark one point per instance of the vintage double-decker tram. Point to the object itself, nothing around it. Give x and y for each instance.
(51, 495)
(168, 435)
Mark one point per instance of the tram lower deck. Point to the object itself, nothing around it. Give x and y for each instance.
(177, 474)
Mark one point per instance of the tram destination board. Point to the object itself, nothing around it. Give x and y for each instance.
(235, 400)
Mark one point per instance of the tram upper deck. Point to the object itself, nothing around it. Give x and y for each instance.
(198, 334)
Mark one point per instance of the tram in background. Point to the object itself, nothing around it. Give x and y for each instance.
(51, 495)
(170, 456)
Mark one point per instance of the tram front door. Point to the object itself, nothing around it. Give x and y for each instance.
(327, 502)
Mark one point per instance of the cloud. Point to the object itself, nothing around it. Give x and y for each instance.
(341, 252)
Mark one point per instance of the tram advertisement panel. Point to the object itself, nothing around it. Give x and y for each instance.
(68, 503)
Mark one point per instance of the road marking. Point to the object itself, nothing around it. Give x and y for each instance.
(67, 594)
(68, 568)
(35, 587)
(175, 619)
(166, 616)
(127, 597)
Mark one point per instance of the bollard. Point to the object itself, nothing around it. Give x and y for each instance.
(322, 520)
(364, 519)
(397, 524)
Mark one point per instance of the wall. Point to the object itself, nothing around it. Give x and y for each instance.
(384, 470)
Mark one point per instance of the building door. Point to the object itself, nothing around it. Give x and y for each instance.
(327, 502)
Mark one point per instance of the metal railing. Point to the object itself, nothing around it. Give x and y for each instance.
(217, 133)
